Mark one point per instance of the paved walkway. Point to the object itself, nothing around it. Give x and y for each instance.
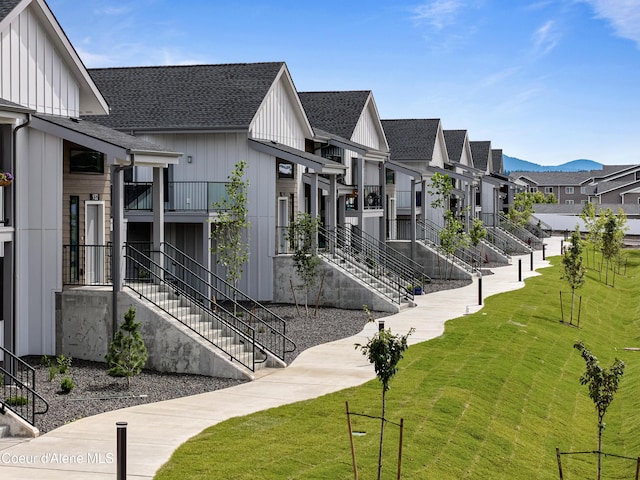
(86, 449)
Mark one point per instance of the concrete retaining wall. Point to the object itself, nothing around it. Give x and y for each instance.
(339, 289)
(85, 331)
(429, 260)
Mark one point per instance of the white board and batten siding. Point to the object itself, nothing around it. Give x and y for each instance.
(280, 117)
(38, 241)
(367, 131)
(33, 72)
(213, 157)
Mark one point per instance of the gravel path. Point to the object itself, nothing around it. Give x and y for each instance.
(96, 392)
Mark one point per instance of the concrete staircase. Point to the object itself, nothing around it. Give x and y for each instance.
(375, 282)
(225, 332)
(4, 431)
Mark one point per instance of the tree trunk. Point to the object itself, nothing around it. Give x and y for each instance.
(381, 435)
(600, 449)
(573, 296)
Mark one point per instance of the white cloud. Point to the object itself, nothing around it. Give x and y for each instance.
(111, 10)
(546, 38)
(94, 60)
(623, 15)
(437, 13)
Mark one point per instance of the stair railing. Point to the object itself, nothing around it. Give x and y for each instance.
(211, 290)
(19, 388)
(520, 232)
(347, 251)
(429, 232)
(406, 268)
(219, 326)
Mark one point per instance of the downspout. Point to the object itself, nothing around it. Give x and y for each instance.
(117, 247)
(14, 273)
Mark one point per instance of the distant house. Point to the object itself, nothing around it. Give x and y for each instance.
(610, 185)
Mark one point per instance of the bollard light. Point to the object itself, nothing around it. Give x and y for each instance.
(121, 446)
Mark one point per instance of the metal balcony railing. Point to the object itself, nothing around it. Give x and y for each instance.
(187, 196)
(86, 264)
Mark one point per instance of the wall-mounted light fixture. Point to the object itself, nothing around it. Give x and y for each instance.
(189, 159)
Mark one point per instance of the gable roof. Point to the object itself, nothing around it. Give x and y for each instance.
(554, 178)
(496, 161)
(199, 97)
(480, 151)
(455, 143)
(335, 112)
(411, 139)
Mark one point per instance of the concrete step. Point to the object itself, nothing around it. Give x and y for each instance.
(4, 431)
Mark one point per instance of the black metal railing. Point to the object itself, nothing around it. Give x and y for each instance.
(344, 247)
(372, 197)
(213, 291)
(222, 328)
(192, 196)
(403, 199)
(464, 257)
(19, 395)
(86, 264)
(520, 232)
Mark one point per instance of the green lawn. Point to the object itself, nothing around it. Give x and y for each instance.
(490, 399)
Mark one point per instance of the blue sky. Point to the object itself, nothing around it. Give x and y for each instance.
(547, 81)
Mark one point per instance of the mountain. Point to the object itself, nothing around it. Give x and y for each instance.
(512, 164)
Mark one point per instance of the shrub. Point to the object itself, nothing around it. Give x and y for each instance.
(64, 363)
(127, 353)
(16, 401)
(67, 385)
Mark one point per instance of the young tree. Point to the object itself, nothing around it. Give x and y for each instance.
(231, 249)
(303, 235)
(384, 350)
(127, 352)
(611, 240)
(522, 208)
(592, 225)
(452, 236)
(477, 233)
(573, 269)
(603, 384)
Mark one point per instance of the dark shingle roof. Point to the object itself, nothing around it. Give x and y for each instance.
(179, 97)
(454, 140)
(103, 133)
(412, 139)
(335, 112)
(480, 152)
(7, 6)
(496, 161)
(554, 178)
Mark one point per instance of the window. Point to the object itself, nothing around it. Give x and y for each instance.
(569, 202)
(285, 169)
(86, 161)
(584, 202)
(583, 190)
(568, 190)
(533, 189)
(548, 190)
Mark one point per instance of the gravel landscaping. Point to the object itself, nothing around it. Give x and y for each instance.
(96, 392)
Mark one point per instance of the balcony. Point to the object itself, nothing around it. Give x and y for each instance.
(404, 199)
(178, 196)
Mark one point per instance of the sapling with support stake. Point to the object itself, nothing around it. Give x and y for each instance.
(384, 350)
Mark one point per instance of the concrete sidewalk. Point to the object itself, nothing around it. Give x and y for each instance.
(86, 449)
